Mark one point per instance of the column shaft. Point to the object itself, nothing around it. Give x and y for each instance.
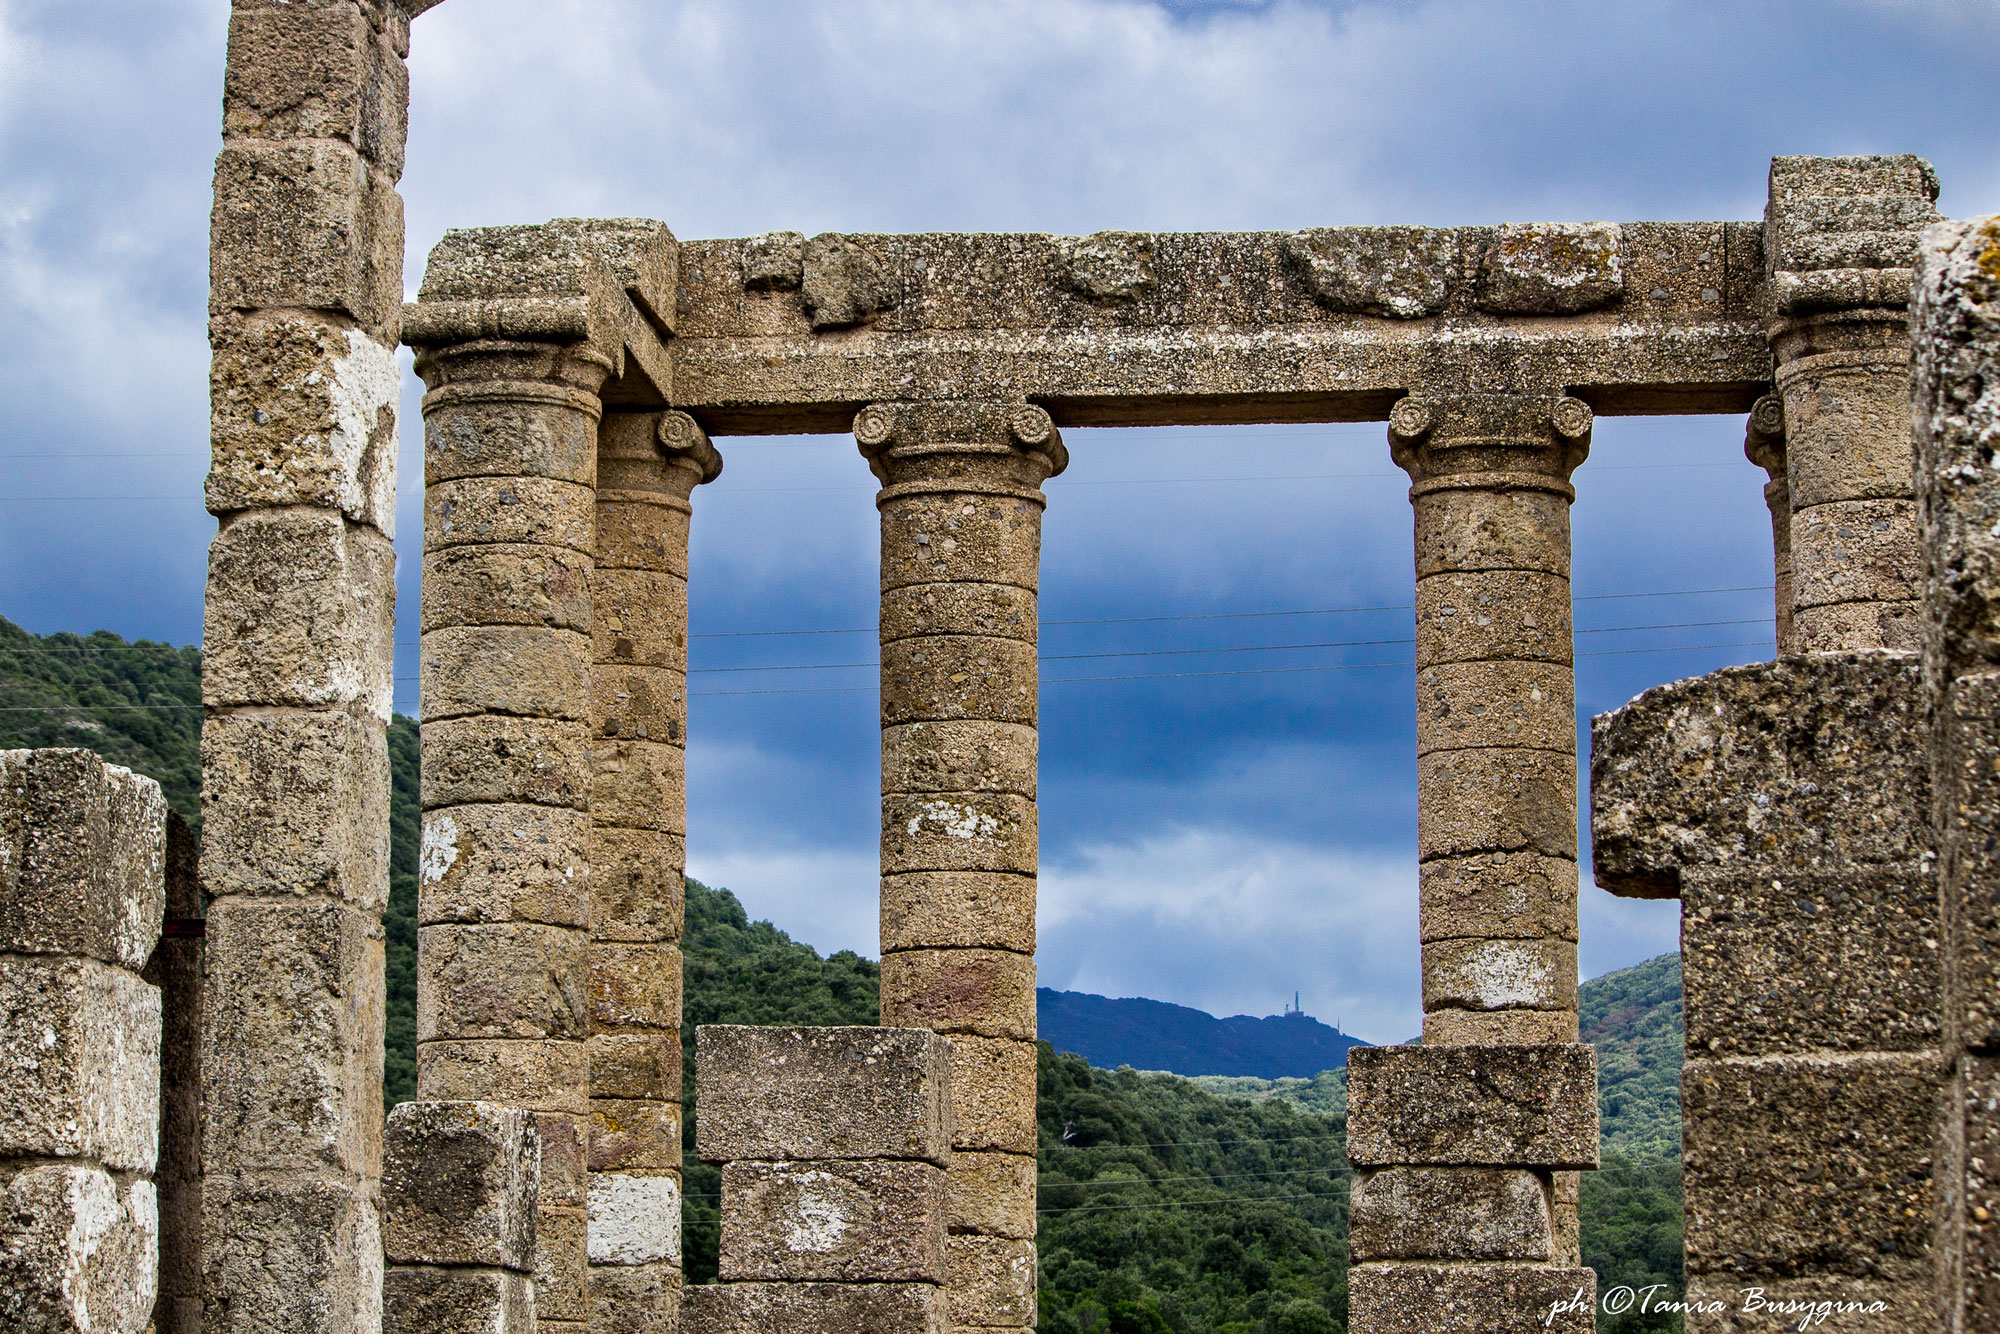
(961, 513)
(648, 465)
(504, 912)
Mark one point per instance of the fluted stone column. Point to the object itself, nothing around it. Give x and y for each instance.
(1839, 238)
(1764, 445)
(1464, 1216)
(648, 465)
(961, 512)
(510, 449)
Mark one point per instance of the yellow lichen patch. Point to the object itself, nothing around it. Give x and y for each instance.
(1989, 258)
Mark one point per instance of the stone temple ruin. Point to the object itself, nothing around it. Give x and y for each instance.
(191, 1129)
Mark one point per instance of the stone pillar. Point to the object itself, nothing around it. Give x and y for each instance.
(1764, 445)
(81, 894)
(176, 969)
(648, 465)
(305, 283)
(1957, 414)
(961, 506)
(1465, 1213)
(1839, 235)
(510, 453)
(460, 1186)
(834, 1144)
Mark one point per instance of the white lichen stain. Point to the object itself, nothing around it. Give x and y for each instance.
(818, 1223)
(1502, 974)
(365, 381)
(439, 850)
(955, 821)
(633, 1220)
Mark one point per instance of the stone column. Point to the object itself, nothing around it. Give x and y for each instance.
(1839, 237)
(1957, 414)
(648, 465)
(1465, 1213)
(176, 969)
(460, 1185)
(81, 891)
(305, 283)
(1764, 445)
(961, 508)
(510, 455)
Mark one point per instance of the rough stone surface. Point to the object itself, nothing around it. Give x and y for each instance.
(1449, 1213)
(1494, 1299)
(290, 1257)
(816, 1093)
(986, 992)
(635, 1299)
(634, 1220)
(958, 909)
(457, 1301)
(79, 1062)
(1527, 1106)
(1551, 268)
(992, 1194)
(1399, 272)
(505, 863)
(992, 1094)
(1767, 1305)
(1499, 975)
(460, 1185)
(1497, 895)
(814, 1308)
(82, 857)
(851, 1222)
(76, 1251)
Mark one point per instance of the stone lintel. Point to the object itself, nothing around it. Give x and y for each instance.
(1807, 765)
(609, 284)
(1499, 1106)
(801, 1094)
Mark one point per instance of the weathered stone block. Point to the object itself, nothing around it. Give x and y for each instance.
(1449, 1213)
(561, 1264)
(457, 1301)
(813, 1093)
(636, 1065)
(638, 703)
(299, 72)
(472, 761)
(549, 1076)
(1808, 1163)
(1841, 212)
(1497, 895)
(639, 785)
(1526, 1106)
(958, 832)
(634, 986)
(979, 991)
(524, 437)
(521, 671)
(642, 537)
(1498, 1028)
(1765, 1304)
(1498, 800)
(1856, 551)
(1494, 1299)
(961, 537)
(640, 617)
(1847, 430)
(959, 755)
(995, 611)
(636, 884)
(1552, 268)
(992, 1193)
(461, 1183)
(641, 1135)
(992, 1094)
(1496, 704)
(958, 909)
(1500, 974)
(635, 1299)
(296, 804)
(634, 1220)
(79, 1062)
(527, 511)
(1399, 272)
(510, 583)
(1971, 1168)
(505, 863)
(305, 224)
(849, 1222)
(1843, 626)
(1461, 530)
(1806, 765)
(1491, 615)
(303, 412)
(513, 980)
(82, 853)
(992, 1281)
(565, 1159)
(289, 1256)
(76, 1251)
(300, 612)
(813, 1308)
(958, 676)
(291, 1037)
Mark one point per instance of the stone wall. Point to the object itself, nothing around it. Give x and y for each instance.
(82, 891)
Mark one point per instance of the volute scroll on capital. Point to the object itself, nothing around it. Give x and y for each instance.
(1501, 441)
(1764, 435)
(653, 451)
(977, 446)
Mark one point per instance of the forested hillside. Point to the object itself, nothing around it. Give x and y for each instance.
(1153, 1035)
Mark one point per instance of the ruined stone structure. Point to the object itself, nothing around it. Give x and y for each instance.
(1824, 818)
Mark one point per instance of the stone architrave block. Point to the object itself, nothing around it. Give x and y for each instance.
(461, 1185)
(813, 1308)
(1493, 1299)
(1552, 268)
(871, 1221)
(79, 1062)
(1450, 1213)
(76, 1251)
(457, 1301)
(1834, 213)
(1523, 1106)
(82, 857)
(813, 1093)
(1402, 273)
(634, 1220)
(992, 1281)
(1810, 764)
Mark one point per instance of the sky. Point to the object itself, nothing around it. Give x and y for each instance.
(1233, 818)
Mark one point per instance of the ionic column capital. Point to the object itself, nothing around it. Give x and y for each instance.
(495, 369)
(1764, 436)
(1524, 442)
(960, 445)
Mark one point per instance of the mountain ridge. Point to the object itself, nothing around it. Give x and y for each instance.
(1159, 1035)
